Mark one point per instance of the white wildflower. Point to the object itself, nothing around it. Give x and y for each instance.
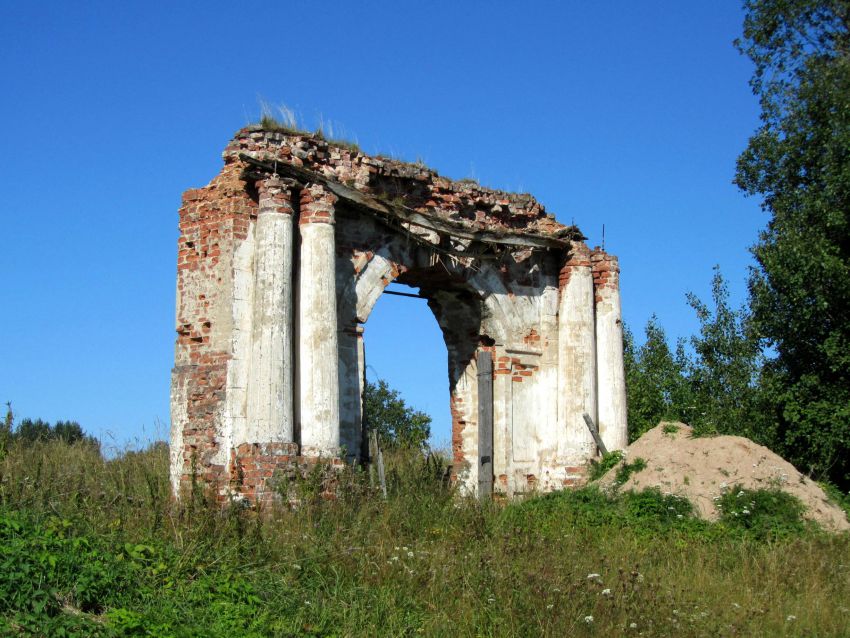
(606, 591)
(588, 619)
(791, 618)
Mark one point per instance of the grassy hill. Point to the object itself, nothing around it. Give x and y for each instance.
(95, 547)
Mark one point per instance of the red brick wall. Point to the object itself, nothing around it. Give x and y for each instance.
(211, 219)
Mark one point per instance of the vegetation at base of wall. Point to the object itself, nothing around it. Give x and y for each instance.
(625, 471)
(598, 468)
(96, 547)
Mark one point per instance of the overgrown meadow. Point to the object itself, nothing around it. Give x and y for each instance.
(95, 547)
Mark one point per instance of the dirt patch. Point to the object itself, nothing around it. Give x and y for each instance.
(700, 469)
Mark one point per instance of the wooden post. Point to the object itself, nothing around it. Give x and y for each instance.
(485, 424)
(595, 433)
(377, 457)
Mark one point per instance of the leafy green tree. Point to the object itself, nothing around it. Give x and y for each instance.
(33, 430)
(723, 372)
(798, 161)
(397, 424)
(656, 381)
(68, 431)
(712, 385)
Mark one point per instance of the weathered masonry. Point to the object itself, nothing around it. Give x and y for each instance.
(282, 258)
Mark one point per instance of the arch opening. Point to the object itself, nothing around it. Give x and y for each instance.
(457, 309)
(404, 346)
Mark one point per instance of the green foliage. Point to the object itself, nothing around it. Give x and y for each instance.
(397, 424)
(599, 468)
(723, 371)
(762, 513)
(46, 571)
(640, 512)
(714, 387)
(842, 499)
(30, 431)
(656, 381)
(94, 547)
(798, 162)
(625, 471)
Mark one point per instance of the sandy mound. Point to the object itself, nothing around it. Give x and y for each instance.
(701, 468)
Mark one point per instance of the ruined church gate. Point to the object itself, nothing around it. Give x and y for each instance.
(281, 259)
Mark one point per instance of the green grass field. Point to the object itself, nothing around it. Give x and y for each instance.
(90, 547)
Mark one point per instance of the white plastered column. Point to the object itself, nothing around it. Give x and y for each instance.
(269, 394)
(611, 381)
(576, 358)
(318, 346)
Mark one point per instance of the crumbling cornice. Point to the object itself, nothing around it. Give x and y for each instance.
(395, 212)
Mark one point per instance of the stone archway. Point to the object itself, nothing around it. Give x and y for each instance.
(282, 258)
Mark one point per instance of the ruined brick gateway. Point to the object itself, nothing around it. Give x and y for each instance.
(282, 257)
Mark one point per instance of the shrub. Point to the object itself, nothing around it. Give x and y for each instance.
(599, 468)
(762, 513)
(625, 471)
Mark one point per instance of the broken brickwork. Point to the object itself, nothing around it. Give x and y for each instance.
(281, 259)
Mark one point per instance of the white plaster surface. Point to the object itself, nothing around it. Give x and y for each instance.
(576, 367)
(318, 354)
(611, 376)
(238, 368)
(270, 386)
(179, 418)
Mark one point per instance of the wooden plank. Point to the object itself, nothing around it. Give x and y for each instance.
(595, 434)
(485, 424)
(373, 455)
(377, 458)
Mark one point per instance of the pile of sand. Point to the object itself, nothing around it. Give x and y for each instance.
(700, 469)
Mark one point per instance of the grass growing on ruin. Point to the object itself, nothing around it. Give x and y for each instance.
(90, 547)
(280, 118)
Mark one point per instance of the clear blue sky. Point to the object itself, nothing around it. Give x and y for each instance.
(628, 114)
